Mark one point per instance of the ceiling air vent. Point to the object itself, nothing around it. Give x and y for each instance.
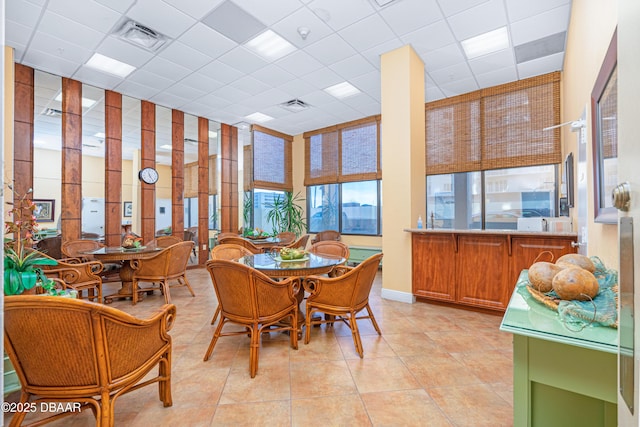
(141, 36)
(295, 105)
(51, 112)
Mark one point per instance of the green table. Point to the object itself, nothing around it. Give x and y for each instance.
(562, 377)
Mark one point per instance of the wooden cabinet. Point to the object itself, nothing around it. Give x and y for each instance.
(478, 268)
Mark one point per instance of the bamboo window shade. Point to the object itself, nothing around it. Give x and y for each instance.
(272, 169)
(213, 175)
(191, 180)
(495, 128)
(608, 108)
(247, 162)
(343, 153)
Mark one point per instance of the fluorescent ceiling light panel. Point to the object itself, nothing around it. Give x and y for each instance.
(99, 135)
(486, 43)
(342, 90)
(86, 103)
(213, 134)
(259, 117)
(270, 45)
(109, 65)
(166, 147)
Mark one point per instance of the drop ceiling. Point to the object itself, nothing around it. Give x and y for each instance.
(210, 73)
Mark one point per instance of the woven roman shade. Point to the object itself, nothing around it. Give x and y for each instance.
(343, 153)
(213, 174)
(247, 162)
(191, 180)
(271, 160)
(495, 128)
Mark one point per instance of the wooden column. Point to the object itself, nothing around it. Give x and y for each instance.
(23, 132)
(71, 200)
(177, 173)
(148, 159)
(229, 171)
(203, 190)
(113, 168)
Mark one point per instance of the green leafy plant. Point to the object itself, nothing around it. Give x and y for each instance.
(286, 214)
(20, 261)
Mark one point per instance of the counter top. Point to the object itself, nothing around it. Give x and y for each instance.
(488, 232)
(528, 317)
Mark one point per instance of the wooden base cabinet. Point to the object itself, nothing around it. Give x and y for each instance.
(478, 268)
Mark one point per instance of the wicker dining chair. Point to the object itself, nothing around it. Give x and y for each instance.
(330, 248)
(77, 248)
(344, 297)
(326, 235)
(70, 351)
(164, 241)
(237, 240)
(286, 237)
(300, 243)
(254, 301)
(168, 265)
(80, 276)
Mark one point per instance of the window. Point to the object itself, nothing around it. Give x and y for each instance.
(190, 212)
(351, 207)
(262, 200)
(491, 199)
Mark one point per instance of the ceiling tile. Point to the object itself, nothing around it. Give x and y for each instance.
(136, 90)
(491, 62)
(299, 63)
(273, 75)
(373, 55)
(497, 76)
(66, 29)
(166, 68)
(368, 83)
(207, 40)
(233, 22)
(102, 18)
(352, 67)
(443, 57)
(232, 94)
(195, 8)
(184, 91)
(266, 12)
(430, 37)
(459, 87)
(90, 76)
(322, 78)
(22, 12)
(318, 98)
(202, 81)
(161, 17)
(330, 49)
(115, 48)
(339, 13)
(250, 84)
(55, 46)
(452, 7)
(466, 24)
(433, 94)
(540, 66)
(369, 32)
(409, 15)
(538, 26)
(447, 75)
(182, 54)
(268, 98)
(53, 64)
(165, 99)
(16, 34)
(518, 10)
(213, 101)
(242, 60)
(118, 5)
(221, 72)
(296, 88)
(288, 27)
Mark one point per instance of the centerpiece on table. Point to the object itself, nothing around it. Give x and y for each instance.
(256, 234)
(20, 259)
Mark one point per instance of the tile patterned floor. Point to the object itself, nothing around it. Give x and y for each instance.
(433, 365)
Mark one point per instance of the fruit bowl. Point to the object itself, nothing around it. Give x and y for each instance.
(289, 254)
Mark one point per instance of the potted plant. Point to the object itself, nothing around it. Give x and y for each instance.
(286, 214)
(20, 260)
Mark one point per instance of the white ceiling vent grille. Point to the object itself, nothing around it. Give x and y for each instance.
(51, 112)
(295, 105)
(141, 36)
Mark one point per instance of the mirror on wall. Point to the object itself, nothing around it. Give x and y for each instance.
(93, 163)
(47, 154)
(163, 166)
(131, 146)
(214, 176)
(604, 111)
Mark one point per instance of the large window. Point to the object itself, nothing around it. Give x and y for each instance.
(351, 207)
(493, 199)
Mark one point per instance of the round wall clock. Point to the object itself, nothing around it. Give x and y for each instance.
(148, 175)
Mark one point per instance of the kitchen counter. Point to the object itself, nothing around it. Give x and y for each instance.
(501, 232)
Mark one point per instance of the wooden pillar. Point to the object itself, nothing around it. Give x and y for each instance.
(23, 131)
(148, 160)
(177, 173)
(229, 171)
(71, 200)
(113, 168)
(203, 190)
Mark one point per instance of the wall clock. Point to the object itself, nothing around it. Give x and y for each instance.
(148, 175)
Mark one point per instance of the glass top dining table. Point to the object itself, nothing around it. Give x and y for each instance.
(273, 266)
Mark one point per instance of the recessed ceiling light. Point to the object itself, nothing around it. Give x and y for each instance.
(213, 134)
(342, 90)
(86, 102)
(99, 135)
(259, 117)
(270, 45)
(486, 43)
(166, 147)
(109, 65)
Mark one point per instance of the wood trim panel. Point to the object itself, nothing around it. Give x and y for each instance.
(148, 159)
(203, 191)
(113, 167)
(229, 173)
(71, 199)
(177, 173)
(23, 131)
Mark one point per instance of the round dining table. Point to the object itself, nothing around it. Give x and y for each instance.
(128, 257)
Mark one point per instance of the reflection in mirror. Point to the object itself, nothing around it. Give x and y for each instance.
(93, 165)
(214, 176)
(163, 166)
(190, 171)
(131, 146)
(47, 140)
(604, 109)
(245, 177)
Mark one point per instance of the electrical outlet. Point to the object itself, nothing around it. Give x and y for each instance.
(204, 246)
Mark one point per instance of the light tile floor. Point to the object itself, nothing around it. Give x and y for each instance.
(433, 365)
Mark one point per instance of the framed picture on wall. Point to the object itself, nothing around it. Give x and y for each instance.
(127, 209)
(44, 211)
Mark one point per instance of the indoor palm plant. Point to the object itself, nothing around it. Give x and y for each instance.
(20, 260)
(285, 214)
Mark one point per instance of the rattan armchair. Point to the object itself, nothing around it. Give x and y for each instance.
(168, 265)
(241, 241)
(230, 252)
(71, 351)
(81, 276)
(330, 248)
(164, 241)
(254, 301)
(77, 249)
(326, 235)
(344, 297)
(300, 243)
(286, 237)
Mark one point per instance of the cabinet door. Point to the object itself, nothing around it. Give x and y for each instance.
(525, 250)
(482, 271)
(434, 266)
